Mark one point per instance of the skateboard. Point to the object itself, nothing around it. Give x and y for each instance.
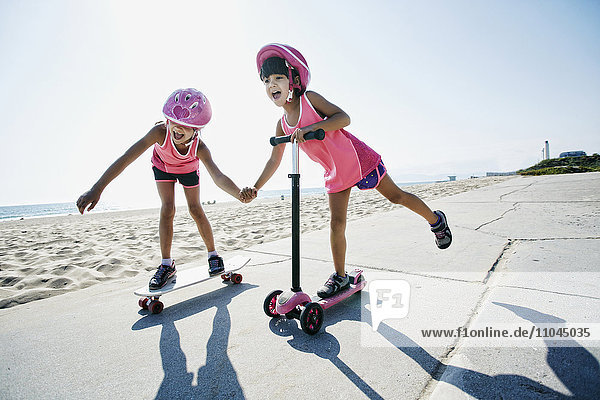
(150, 298)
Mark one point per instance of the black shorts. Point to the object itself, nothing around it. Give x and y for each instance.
(189, 180)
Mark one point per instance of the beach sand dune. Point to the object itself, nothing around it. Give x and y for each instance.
(43, 257)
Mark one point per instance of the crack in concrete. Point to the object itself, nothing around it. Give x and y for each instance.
(514, 208)
(516, 190)
(446, 358)
(506, 247)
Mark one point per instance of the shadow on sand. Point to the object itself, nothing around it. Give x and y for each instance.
(217, 379)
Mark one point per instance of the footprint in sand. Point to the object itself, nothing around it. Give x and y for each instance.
(10, 280)
(109, 269)
(59, 283)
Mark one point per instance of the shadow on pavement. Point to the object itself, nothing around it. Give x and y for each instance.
(217, 379)
(322, 345)
(574, 365)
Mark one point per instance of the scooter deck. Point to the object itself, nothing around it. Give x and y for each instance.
(333, 300)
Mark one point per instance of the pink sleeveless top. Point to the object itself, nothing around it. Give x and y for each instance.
(346, 159)
(166, 157)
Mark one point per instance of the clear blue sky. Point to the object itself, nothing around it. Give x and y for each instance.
(437, 87)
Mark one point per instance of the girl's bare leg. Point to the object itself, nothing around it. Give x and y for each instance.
(192, 195)
(393, 193)
(338, 206)
(166, 191)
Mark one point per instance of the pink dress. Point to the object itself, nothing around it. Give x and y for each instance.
(166, 157)
(346, 159)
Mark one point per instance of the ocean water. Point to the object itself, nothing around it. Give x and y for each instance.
(45, 210)
(54, 209)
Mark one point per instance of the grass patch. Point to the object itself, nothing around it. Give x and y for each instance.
(566, 165)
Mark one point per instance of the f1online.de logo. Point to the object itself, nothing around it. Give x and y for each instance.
(389, 299)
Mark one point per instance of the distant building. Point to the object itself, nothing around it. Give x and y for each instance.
(452, 177)
(572, 154)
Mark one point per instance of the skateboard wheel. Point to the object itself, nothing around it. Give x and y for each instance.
(155, 307)
(236, 278)
(143, 303)
(311, 318)
(225, 277)
(270, 303)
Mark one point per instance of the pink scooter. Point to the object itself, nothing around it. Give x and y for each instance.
(294, 303)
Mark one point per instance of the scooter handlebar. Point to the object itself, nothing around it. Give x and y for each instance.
(319, 134)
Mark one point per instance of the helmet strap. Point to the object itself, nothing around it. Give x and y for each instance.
(188, 144)
(293, 85)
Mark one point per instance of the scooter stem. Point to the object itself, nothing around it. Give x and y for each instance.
(295, 157)
(319, 134)
(295, 175)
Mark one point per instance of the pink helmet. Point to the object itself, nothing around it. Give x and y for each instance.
(293, 59)
(188, 107)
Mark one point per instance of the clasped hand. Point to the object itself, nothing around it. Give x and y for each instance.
(248, 194)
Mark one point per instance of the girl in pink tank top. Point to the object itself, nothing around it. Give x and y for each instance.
(178, 151)
(346, 160)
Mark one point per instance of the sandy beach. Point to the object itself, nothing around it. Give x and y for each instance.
(43, 257)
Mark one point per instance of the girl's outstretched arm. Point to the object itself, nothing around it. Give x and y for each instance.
(220, 179)
(273, 162)
(92, 196)
(336, 118)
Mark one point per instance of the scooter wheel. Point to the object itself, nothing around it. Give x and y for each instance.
(236, 278)
(155, 307)
(270, 302)
(311, 318)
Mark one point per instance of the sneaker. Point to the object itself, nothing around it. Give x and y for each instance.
(215, 265)
(164, 274)
(443, 236)
(334, 285)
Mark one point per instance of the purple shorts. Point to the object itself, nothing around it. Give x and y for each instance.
(373, 178)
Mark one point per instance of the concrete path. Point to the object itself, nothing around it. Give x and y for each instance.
(525, 256)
